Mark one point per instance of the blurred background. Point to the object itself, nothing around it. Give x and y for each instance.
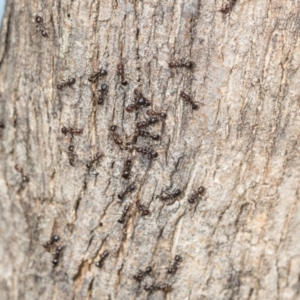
(2, 5)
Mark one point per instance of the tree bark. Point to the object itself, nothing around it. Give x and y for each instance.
(237, 241)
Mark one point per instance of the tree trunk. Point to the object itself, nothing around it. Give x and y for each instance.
(238, 239)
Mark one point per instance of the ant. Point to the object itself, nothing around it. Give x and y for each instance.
(139, 101)
(164, 287)
(196, 195)
(188, 99)
(126, 209)
(56, 256)
(170, 196)
(72, 131)
(138, 95)
(99, 263)
(94, 76)
(121, 73)
(54, 239)
(103, 91)
(40, 26)
(95, 159)
(153, 113)
(173, 268)
(143, 133)
(65, 83)
(181, 64)
(142, 274)
(148, 122)
(127, 168)
(72, 155)
(20, 170)
(142, 208)
(151, 154)
(128, 190)
(117, 137)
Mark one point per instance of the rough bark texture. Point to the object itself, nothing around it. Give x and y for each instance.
(241, 241)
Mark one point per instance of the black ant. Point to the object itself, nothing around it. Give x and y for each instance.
(138, 95)
(170, 196)
(72, 131)
(56, 256)
(117, 137)
(143, 133)
(164, 287)
(173, 268)
(142, 208)
(128, 190)
(94, 76)
(150, 153)
(127, 168)
(126, 209)
(25, 178)
(103, 91)
(148, 122)
(68, 82)
(95, 159)
(196, 195)
(40, 26)
(54, 239)
(139, 101)
(153, 113)
(188, 99)
(181, 64)
(142, 274)
(103, 256)
(121, 73)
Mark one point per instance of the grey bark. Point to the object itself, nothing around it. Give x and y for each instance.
(241, 240)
